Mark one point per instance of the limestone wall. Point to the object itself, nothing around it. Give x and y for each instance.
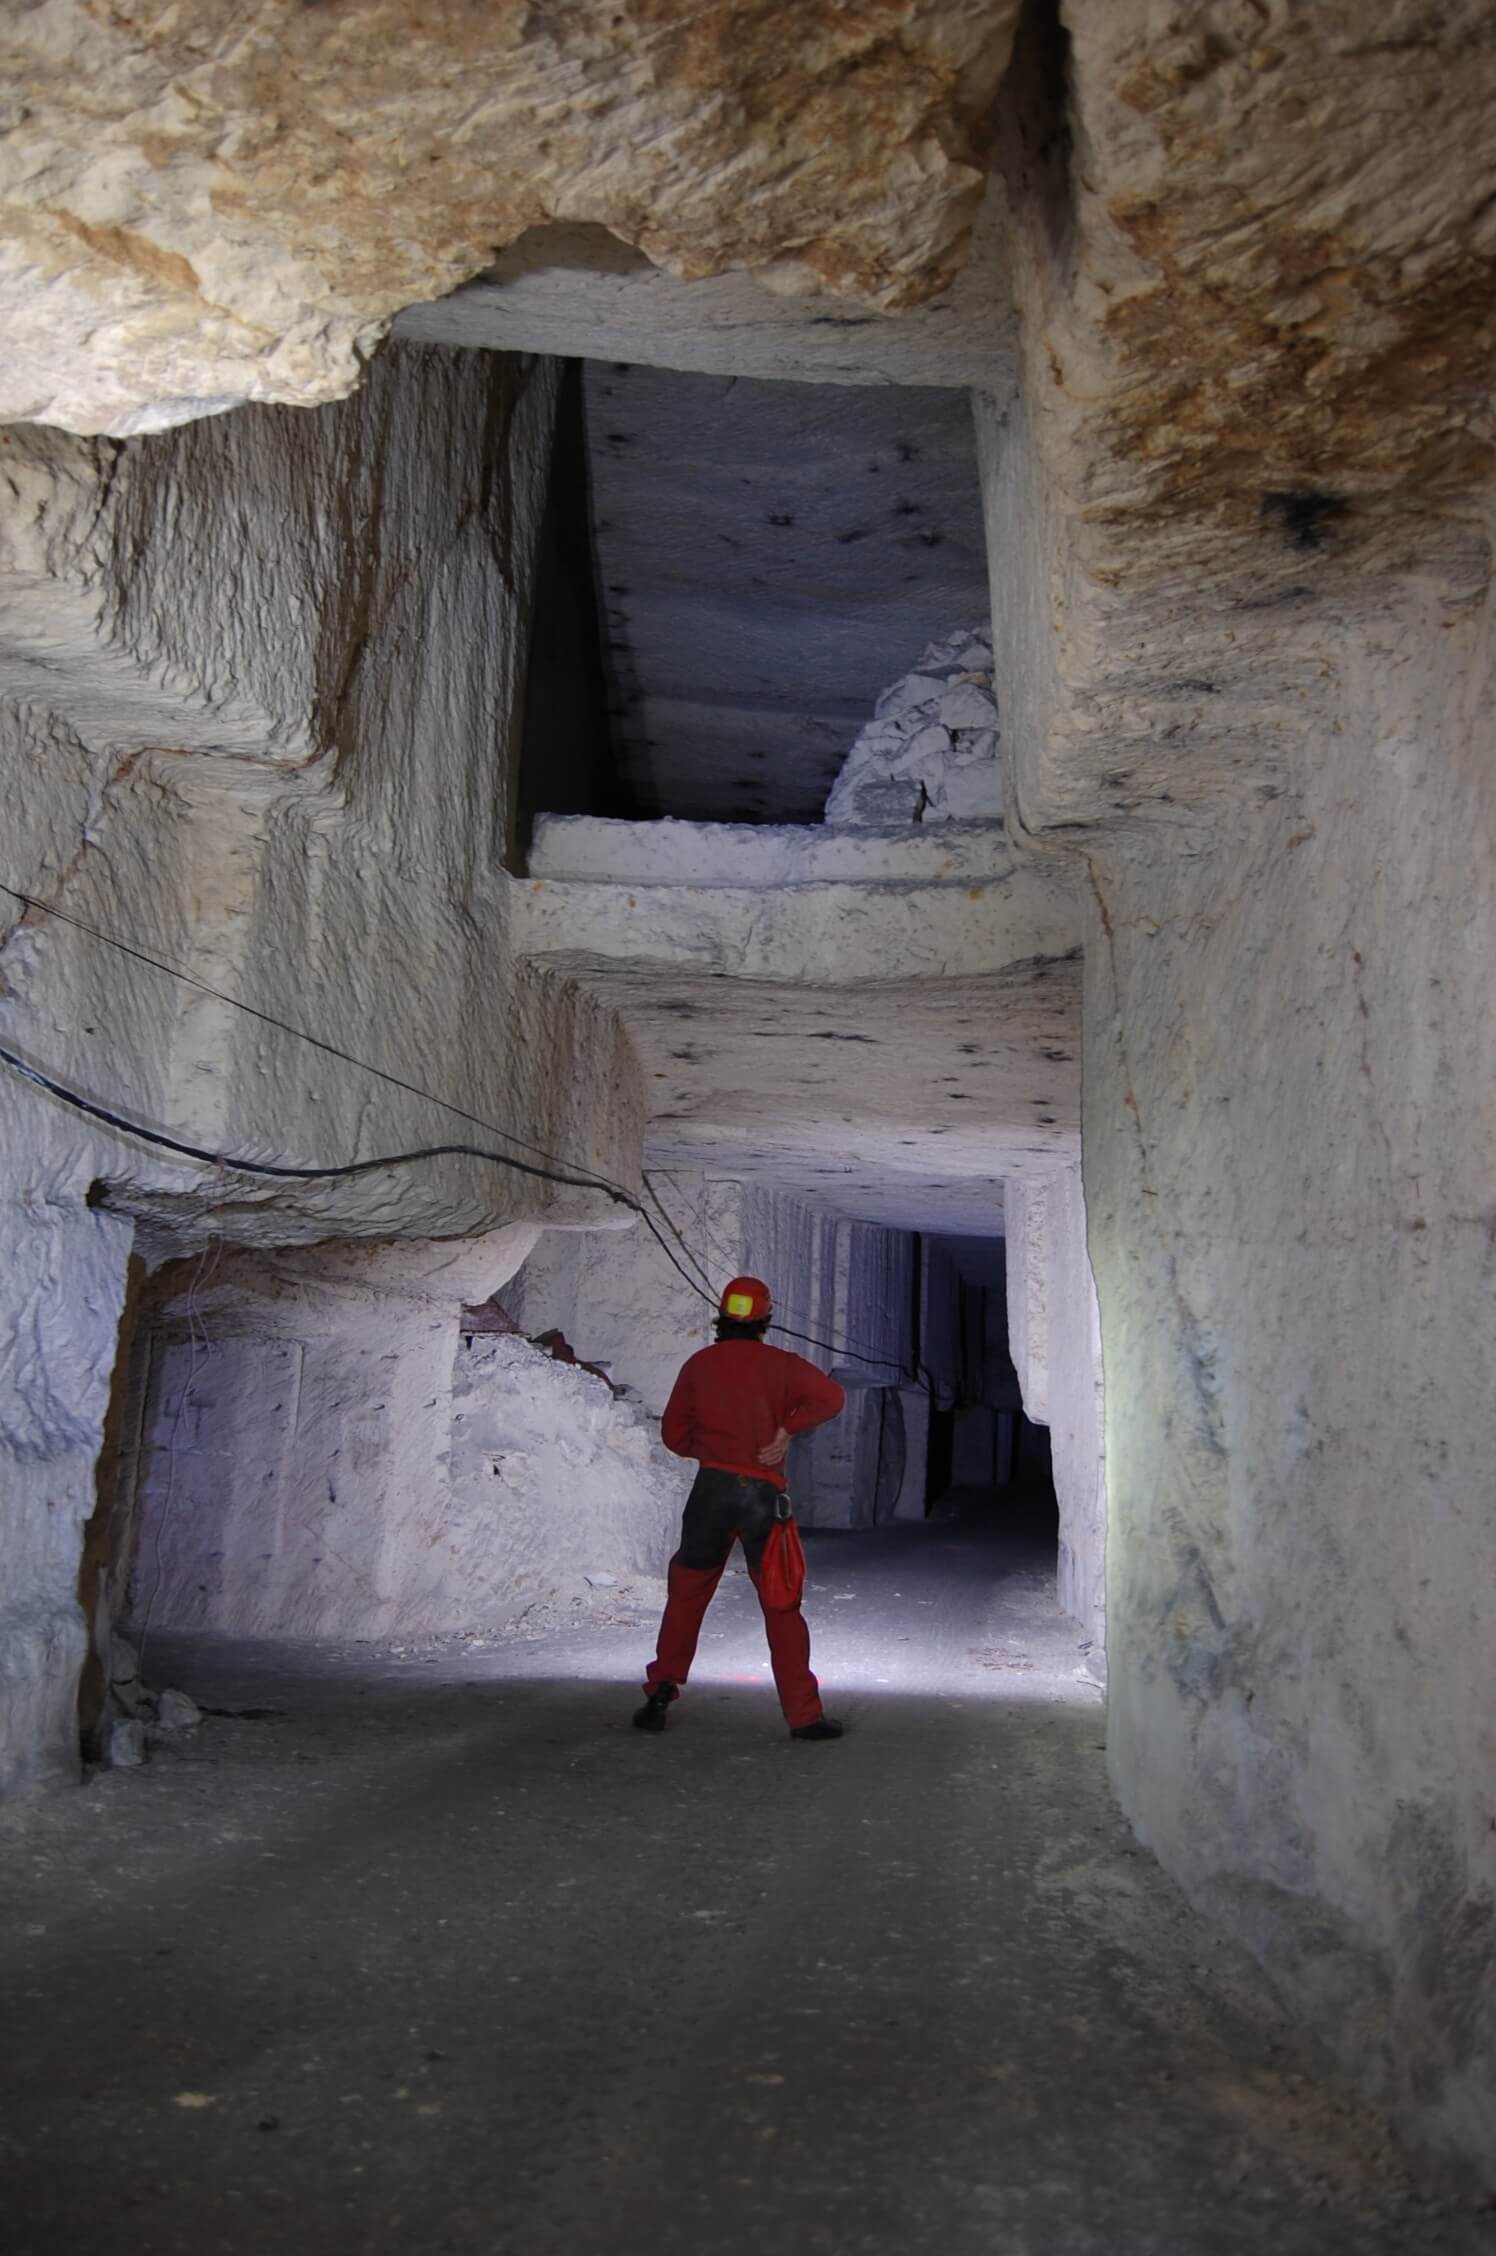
(1292, 1230)
(255, 719)
(321, 1454)
(1287, 1161)
(1244, 613)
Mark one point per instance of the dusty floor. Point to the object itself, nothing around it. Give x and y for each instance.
(445, 1956)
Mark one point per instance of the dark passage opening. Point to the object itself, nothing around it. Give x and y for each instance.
(732, 572)
(566, 762)
(986, 1457)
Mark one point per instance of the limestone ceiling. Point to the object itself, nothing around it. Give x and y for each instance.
(769, 557)
(580, 293)
(768, 1051)
(904, 1105)
(227, 202)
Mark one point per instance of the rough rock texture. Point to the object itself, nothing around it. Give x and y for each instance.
(555, 1479)
(323, 1456)
(227, 205)
(177, 1711)
(1054, 1335)
(320, 1453)
(943, 921)
(353, 623)
(1241, 549)
(250, 675)
(64, 1266)
(930, 753)
(1239, 531)
(1282, 253)
(1292, 1234)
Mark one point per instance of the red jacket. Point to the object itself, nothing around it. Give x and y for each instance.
(733, 1397)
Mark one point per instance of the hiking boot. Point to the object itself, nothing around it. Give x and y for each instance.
(822, 1728)
(651, 1717)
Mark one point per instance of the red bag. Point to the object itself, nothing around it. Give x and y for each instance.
(781, 1571)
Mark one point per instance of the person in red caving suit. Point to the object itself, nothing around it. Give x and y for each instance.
(735, 1408)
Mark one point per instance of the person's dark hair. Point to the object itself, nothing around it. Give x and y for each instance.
(729, 1328)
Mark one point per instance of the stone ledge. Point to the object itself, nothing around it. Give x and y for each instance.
(746, 857)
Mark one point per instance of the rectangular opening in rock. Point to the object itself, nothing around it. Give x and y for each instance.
(766, 558)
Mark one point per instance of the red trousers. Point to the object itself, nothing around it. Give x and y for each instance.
(721, 1510)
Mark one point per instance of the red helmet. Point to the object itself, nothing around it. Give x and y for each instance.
(746, 1300)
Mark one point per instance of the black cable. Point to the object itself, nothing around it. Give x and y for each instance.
(921, 1375)
(299, 1033)
(587, 1181)
(164, 1142)
(700, 1291)
(808, 1339)
(226, 1160)
(267, 1168)
(675, 1231)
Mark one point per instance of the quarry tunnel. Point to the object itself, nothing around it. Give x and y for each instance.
(748, 644)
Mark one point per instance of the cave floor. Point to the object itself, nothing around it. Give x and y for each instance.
(445, 1956)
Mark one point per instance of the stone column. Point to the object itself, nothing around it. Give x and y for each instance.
(1054, 1331)
(1290, 1155)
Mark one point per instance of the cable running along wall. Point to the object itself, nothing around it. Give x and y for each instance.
(543, 1166)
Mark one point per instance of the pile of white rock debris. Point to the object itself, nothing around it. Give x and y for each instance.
(930, 752)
